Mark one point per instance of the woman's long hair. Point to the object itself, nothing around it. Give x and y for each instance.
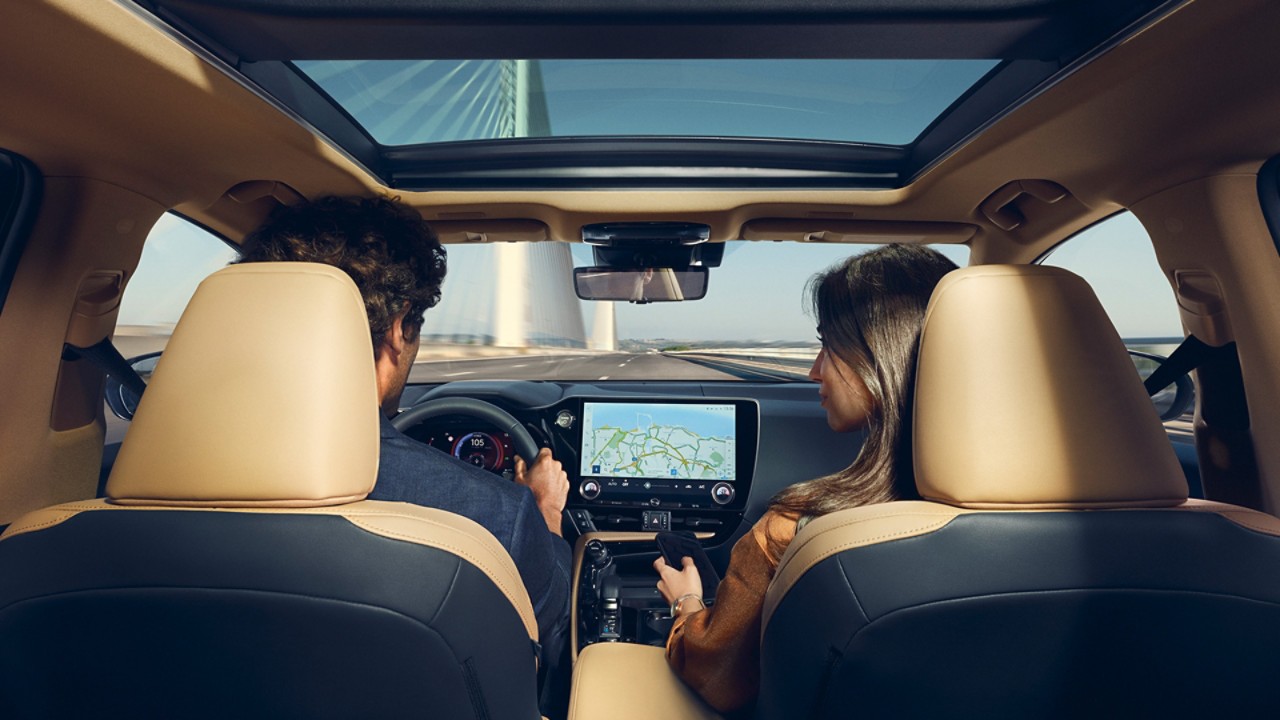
(869, 310)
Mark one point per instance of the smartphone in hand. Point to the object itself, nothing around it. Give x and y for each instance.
(675, 546)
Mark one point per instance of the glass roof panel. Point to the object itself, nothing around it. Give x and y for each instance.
(409, 102)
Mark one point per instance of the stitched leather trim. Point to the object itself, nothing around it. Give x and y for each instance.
(400, 521)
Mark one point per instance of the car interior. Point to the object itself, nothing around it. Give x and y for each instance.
(206, 548)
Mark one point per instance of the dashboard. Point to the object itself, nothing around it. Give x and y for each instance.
(650, 464)
(657, 454)
(652, 456)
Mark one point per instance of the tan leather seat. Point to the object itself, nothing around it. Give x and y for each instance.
(1055, 567)
(235, 569)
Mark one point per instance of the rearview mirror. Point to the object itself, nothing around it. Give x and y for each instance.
(640, 285)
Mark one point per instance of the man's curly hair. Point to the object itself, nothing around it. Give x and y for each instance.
(392, 255)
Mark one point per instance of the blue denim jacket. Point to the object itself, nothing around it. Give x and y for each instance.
(413, 472)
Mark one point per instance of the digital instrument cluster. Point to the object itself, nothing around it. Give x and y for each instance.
(487, 449)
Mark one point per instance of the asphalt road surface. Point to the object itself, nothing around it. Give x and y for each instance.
(606, 366)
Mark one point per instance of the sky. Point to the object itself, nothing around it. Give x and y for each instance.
(1116, 257)
(175, 258)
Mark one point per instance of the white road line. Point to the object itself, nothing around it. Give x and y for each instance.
(467, 372)
(622, 364)
(520, 365)
(604, 377)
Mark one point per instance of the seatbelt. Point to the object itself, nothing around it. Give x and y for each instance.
(1191, 354)
(104, 356)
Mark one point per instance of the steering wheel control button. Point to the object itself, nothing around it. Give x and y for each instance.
(564, 419)
(589, 489)
(659, 520)
(722, 493)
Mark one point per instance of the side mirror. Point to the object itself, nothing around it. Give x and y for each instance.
(1172, 400)
(123, 401)
(640, 285)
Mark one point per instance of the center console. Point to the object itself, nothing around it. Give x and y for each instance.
(642, 468)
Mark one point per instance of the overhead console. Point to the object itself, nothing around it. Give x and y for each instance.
(660, 465)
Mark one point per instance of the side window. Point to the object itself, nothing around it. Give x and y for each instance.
(1117, 259)
(178, 254)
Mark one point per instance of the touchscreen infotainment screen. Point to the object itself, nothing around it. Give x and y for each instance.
(694, 441)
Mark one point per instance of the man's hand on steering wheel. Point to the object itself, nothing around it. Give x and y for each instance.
(547, 480)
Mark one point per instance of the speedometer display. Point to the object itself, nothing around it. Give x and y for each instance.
(480, 449)
(480, 446)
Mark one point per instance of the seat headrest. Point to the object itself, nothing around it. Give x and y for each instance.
(1026, 398)
(265, 396)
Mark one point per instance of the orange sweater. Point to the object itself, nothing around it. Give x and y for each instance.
(717, 651)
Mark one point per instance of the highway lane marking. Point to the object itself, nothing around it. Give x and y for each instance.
(604, 377)
(520, 365)
(622, 364)
(467, 372)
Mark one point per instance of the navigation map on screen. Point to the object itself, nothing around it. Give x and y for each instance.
(659, 440)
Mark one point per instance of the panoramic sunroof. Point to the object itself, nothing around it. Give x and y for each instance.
(731, 94)
(887, 102)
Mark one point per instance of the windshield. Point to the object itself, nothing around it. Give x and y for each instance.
(508, 311)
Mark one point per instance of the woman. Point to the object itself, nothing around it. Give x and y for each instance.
(869, 310)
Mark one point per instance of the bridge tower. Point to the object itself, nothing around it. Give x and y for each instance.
(523, 296)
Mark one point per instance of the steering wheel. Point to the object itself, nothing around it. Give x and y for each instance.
(470, 407)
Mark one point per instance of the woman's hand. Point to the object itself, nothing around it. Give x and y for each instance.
(675, 583)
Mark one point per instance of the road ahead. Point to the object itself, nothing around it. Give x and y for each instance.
(605, 366)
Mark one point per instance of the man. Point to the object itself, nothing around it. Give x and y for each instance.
(398, 265)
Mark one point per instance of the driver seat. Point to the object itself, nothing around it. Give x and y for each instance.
(235, 569)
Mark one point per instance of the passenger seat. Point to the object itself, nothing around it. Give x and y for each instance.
(1055, 567)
